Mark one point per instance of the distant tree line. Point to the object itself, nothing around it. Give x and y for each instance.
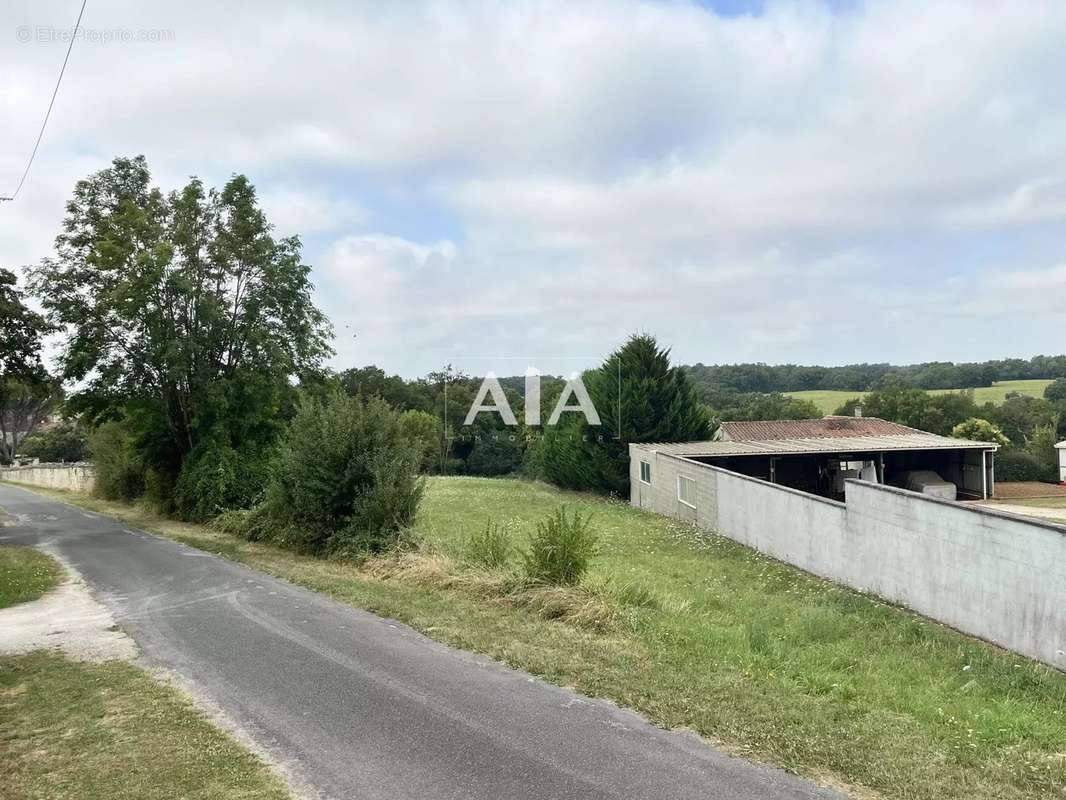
(863, 377)
(1025, 427)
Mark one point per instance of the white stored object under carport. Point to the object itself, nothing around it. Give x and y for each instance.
(927, 482)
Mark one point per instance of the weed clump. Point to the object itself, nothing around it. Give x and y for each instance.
(561, 550)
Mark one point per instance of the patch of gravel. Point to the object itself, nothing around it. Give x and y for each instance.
(69, 619)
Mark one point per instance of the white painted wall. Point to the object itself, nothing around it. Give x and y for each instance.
(73, 477)
(990, 574)
(1061, 448)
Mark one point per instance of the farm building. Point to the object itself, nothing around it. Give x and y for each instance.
(818, 455)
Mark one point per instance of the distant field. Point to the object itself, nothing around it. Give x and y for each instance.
(829, 401)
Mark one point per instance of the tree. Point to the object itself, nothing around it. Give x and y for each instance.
(27, 393)
(753, 406)
(640, 397)
(424, 428)
(980, 430)
(1041, 446)
(895, 401)
(1055, 392)
(183, 314)
(24, 405)
(21, 331)
(66, 442)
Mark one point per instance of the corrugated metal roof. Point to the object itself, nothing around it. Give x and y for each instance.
(832, 427)
(828, 436)
(826, 446)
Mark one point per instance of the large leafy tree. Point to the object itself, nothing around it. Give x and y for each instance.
(182, 313)
(27, 393)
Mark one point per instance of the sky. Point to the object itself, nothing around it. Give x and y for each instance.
(500, 185)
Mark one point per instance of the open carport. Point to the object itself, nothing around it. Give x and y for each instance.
(818, 455)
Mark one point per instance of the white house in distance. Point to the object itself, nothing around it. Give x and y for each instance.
(1061, 447)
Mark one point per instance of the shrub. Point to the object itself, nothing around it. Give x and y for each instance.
(243, 522)
(1017, 465)
(65, 442)
(489, 548)
(119, 473)
(562, 549)
(214, 478)
(345, 480)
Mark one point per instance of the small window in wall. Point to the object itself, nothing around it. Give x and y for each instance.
(645, 472)
(686, 490)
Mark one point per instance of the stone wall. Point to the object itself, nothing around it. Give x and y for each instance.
(74, 477)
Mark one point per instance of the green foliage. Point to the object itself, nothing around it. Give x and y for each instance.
(426, 429)
(1018, 465)
(640, 398)
(496, 452)
(980, 430)
(215, 477)
(24, 404)
(863, 377)
(491, 547)
(241, 522)
(21, 330)
(183, 315)
(895, 401)
(562, 549)
(731, 406)
(1056, 391)
(119, 472)
(345, 480)
(1019, 415)
(65, 442)
(27, 393)
(1041, 446)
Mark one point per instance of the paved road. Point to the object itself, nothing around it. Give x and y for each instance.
(361, 707)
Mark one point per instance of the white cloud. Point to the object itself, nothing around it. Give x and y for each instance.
(299, 211)
(749, 187)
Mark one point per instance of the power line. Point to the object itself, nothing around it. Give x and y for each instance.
(59, 80)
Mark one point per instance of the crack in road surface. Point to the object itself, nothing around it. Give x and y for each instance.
(355, 706)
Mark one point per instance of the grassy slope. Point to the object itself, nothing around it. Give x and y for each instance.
(750, 653)
(829, 401)
(25, 574)
(96, 731)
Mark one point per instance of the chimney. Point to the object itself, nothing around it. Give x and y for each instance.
(858, 410)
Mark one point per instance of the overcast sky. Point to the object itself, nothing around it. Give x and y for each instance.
(508, 184)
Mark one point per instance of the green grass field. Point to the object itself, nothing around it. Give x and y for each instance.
(765, 660)
(829, 401)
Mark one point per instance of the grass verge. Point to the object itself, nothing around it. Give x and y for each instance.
(702, 633)
(25, 574)
(94, 731)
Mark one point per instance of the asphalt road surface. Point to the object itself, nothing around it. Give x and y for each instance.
(356, 706)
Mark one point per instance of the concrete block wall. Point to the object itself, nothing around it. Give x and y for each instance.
(73, 477)
(993, 575)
